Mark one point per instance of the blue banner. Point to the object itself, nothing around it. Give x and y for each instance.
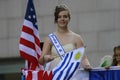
(104, 75)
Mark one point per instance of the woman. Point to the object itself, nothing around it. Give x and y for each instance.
(68, 39)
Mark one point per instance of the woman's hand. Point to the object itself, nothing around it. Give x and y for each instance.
(48, 58)
(87, 67)
(107, 67)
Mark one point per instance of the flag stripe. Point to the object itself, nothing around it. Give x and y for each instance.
(30, 40)
(71, 73)
(30, 26)
(40, 75)
(29, 57)
(28, 50)
(55, 70)
(35, 73)
(27, 30)
(67, 71)
(65, 68)
(27, 37)
(37, 41)
(62, 66)
(27, 43)
(29, 76)
(65, 63)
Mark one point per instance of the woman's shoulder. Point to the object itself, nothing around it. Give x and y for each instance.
(78, 39)
(76, 35)
(47, 40)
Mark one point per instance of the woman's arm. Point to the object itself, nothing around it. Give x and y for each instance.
(85, 62)
(46, 52)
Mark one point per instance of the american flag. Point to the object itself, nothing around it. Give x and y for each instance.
(29, 40)
(30, 48)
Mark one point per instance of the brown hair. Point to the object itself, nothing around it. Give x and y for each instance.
(114, 63)
(58, 9)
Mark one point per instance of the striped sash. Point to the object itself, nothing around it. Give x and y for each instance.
(57, 45)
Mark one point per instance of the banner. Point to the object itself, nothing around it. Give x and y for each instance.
(102, 74)
(99, 73)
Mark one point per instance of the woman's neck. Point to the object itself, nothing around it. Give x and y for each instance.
(63, 31)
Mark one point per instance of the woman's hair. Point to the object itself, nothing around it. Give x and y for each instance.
(58, 9)
(114, 63)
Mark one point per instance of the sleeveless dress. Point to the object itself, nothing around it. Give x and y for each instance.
(55, 62)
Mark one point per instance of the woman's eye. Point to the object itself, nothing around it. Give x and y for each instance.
(65, 16)
(59, 16)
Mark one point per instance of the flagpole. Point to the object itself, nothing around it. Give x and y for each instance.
(26, 67)
(26, 64)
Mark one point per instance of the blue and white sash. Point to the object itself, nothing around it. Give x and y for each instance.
(57, 45)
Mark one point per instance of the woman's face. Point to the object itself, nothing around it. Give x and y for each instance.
(117, 55)
(63, 19)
